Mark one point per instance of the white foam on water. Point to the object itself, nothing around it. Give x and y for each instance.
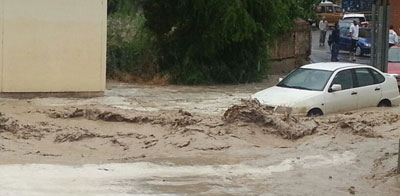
(129, 178)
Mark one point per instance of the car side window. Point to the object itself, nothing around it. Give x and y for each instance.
(344, 31)
(364, 77)
(329, 9)
(344, 78)
(338, 9)
(378, 77)
(320, 9)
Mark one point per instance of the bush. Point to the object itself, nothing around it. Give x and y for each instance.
(130, 46)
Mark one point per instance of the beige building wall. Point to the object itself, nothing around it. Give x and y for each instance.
(53, 45)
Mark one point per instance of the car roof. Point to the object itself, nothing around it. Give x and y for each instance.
(353, 15)
(360, 28)
(329, 66)
(327, 3)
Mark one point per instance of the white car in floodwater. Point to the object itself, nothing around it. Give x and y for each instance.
(323, 88)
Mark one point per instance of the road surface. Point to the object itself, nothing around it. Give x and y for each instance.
(323, 54)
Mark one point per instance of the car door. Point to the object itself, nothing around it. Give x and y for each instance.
(345, 40)
(330, 15)
(345, 99)
(368, 89)
(320, 11)
(338, 13)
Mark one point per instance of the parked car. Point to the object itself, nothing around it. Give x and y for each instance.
(358, 17)
(363, 44)
(324, 88)
(394, 63)
(330, 11)
(345, 23)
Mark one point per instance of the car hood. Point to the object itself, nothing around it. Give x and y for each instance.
(280, 96)
(364, 41)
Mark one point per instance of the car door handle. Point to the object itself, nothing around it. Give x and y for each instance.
(377, 89)
(354, 93)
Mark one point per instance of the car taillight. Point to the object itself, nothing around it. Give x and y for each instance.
(397, 76)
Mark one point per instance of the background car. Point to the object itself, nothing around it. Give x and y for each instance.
(330, 11)
(323, 88)
(394, 63)
(358, 17)
(363, 44)
(345, 23)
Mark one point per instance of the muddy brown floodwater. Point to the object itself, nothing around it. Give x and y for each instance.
(184, 140)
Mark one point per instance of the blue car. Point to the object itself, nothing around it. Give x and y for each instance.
(364, 41)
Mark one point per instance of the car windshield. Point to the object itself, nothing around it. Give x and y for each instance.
(306, 79)
(345, 23)
(394, 55)
(365, 33)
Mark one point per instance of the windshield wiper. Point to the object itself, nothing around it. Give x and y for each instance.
(297, 87)
(283, 85)
(300, 87)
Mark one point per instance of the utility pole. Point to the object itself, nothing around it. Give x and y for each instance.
(380, 41)
(380, 34)
(398, 161)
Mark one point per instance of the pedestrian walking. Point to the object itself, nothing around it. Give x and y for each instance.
(354, 31)
(335, 41)
(323, 27)
(393, 38)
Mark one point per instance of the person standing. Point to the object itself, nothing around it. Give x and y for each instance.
(323, 27)
(335, 43)
(393, 38)
(354, 31)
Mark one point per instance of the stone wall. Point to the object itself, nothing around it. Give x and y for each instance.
(291, 50)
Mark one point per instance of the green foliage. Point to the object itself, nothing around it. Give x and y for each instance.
(121, 7)
(218, 41)
(130, 46)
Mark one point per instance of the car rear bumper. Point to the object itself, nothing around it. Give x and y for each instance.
(395, 101)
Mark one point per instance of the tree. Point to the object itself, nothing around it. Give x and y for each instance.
(218, 41)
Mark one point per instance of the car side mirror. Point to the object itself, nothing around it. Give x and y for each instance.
(280, 79)
(335, 87)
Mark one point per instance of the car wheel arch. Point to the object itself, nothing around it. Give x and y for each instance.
(359, 51)
(385, 103)
(315, 112)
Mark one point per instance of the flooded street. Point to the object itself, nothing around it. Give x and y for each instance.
(166, 178)
(183, 140)
(206, 99)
